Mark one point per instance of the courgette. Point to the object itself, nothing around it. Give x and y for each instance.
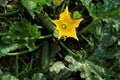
(45, 20)
(44, 56)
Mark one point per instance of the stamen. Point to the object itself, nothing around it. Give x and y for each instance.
(64, 26)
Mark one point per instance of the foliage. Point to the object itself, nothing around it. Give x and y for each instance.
(30, 49)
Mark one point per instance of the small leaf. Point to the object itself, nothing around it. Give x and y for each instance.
(0, 74)
(31, 6)
(9, 77)
(56, 67)
(38, 76)
(6, 49)
(4, 2)
(77, 15)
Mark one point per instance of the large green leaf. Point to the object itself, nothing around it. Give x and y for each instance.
(108, 42)
(22, 32)
(88, 69)
(105, 18)
(102, 9)
(102, 12)
(106, 29)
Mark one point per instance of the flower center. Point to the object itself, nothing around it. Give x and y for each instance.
(64, 26)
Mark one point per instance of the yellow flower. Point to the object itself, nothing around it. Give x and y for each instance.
(66, 26)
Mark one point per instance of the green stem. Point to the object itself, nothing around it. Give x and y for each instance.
(18, 53)
(23, 71)
(68, 2)
(22, 52)
(86, 28)
(67, 49)
(31, 64)
(8, 13)
(44, 37)
(17, 67)
(63, 6)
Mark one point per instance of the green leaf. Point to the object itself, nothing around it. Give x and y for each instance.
(44, 2)
(8, 48)
(56, 67)
(90, 7)
(0, 74)
(38, 76)
(62, 75)
(88, 69)
(35, 5)
(106, 54)
(48, 2)
(77, 15)
(40, 1)
(31, 6)
(3, 2)
(23, 33)
(9, 77)
(108, 39)
(102, 10)
(26, 78)
(114, 21)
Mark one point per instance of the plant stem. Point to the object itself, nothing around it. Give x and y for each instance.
(18, 53)
(22, 52)
(26, 51)
(17, 66)
(67, 49)
(44, 37)
(86, 28)
(68, 2)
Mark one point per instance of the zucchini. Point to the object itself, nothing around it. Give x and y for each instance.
(44, 57)
(45, 20)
